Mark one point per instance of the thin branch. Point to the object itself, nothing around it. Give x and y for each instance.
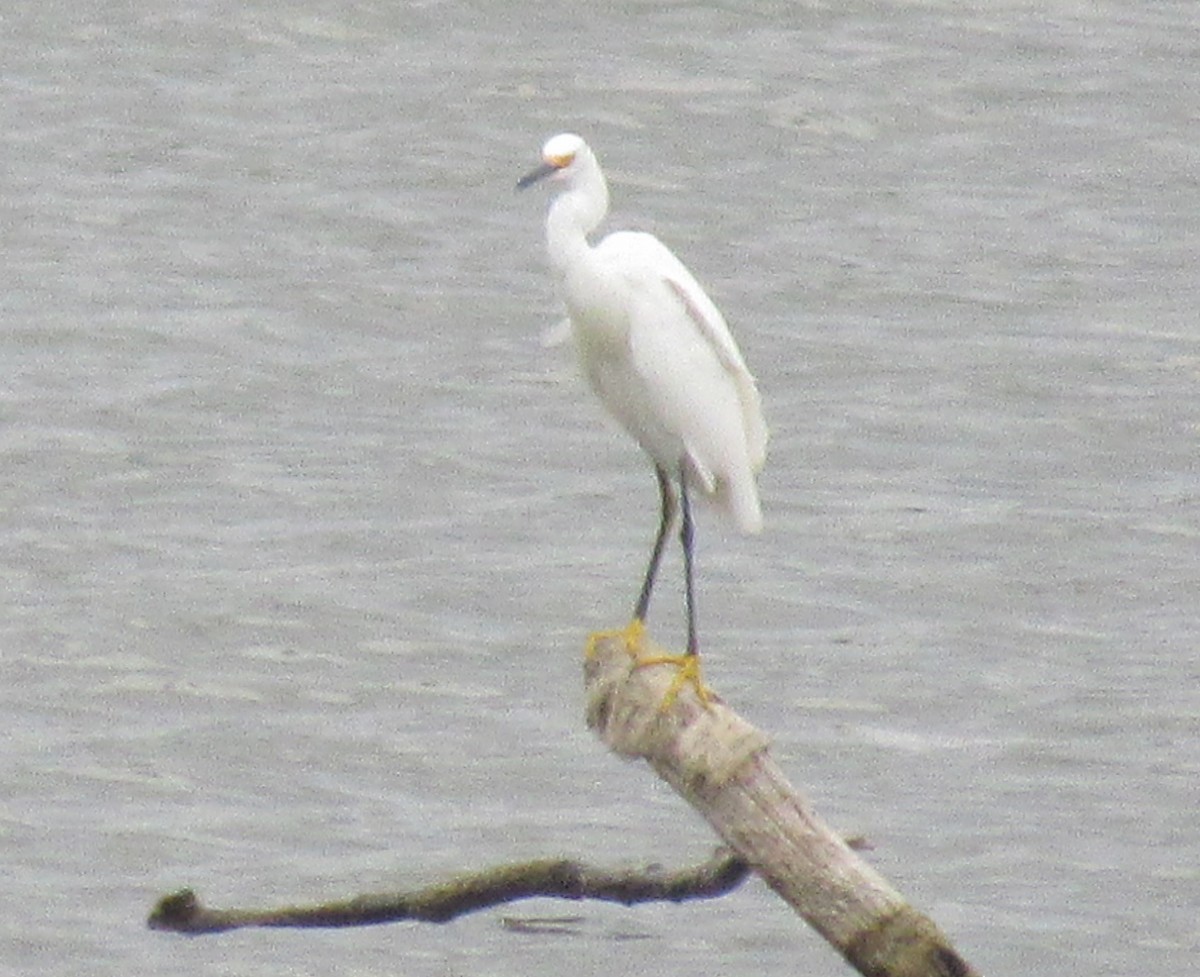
(182, 912)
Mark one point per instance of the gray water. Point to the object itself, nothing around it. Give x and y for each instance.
(303, 528)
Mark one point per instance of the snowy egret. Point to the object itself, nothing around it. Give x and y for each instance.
(660, 357)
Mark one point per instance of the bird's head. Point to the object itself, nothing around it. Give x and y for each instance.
(563, 156)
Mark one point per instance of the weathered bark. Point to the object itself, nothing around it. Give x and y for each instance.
(720, 765)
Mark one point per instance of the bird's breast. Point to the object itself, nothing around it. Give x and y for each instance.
(601, 328)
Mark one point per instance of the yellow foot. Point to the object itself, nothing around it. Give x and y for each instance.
(688, 673)
(633, 635)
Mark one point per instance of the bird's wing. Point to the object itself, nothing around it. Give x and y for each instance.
(674, 327)
(694, 401)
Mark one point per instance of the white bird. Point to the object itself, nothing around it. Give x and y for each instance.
(660, 357)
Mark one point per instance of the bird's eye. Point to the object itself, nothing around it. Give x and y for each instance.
(561, 161)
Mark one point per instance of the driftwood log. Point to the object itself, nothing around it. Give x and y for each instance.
(720, 765)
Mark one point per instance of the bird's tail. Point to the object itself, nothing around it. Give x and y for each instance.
(734, 491)
(741, 499)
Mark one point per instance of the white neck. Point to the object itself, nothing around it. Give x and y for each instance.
(574, 214)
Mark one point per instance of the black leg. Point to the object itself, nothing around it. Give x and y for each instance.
(685, 538)
(667, 516)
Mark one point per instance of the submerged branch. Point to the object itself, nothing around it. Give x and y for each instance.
(182, 912)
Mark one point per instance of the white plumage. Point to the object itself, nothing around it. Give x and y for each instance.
(656, 351)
